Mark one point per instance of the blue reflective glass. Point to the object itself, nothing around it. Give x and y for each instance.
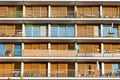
(36, 31)
(17, 49)
(115, 67)
(70, 31)
(54, 31)
(115, 31)
(28, 31)
(2, 49)
(62, 31)
(106, 30)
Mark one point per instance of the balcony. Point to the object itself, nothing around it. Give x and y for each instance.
(49, 53)
(11, 14)
(10, 33)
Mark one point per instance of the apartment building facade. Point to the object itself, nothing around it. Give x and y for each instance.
(60, 39)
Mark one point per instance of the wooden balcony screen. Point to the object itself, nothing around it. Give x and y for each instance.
(39, 68)
(87, 11)
(36, 11)
(58, 11)
(111, 48)
(32, 46)
(87, 31)
(110, 11)
(89, 48)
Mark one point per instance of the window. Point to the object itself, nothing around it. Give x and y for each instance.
(115, 67)
(2, 49)
(17, 49)
(107, 28)
(62, 30)
(35, 30)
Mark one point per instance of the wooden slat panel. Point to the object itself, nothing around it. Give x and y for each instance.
(71, 68)
(81, 68)
(8, 69)
(35, 11)
(44, 11)
(62, 69)
(54, 11)
(62, 11)
(36, 46)
(28, 46)
(1, 69)
(28, 11)
(62, 47)
(87, 11)
(95, 11)
(10, 49)
(54, 46)
(114, 11)
(81, 30)
(82, 48)
(119, 30)
(108, 67)
(43, 46)
(10, 30)
(35, 67)
(107, 48)
(43, 67)
(80, 11)
(90, 30)
(3, 11)
(107, 11)
(53, 67)
(89, 48)
(27, 67)
(96, 48)
(2, 30)
(11, 11)
(115, 47)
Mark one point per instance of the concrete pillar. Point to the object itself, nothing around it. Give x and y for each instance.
(97, 67)
(48, 69)
(49, 11)
(75, 30)
(101, 11)
(76, 69)
(23, 10)
(49, 30)
(102, 48)
(22, 69)
(75, 10)
(102, 66)
(23, 29)
(101, 30)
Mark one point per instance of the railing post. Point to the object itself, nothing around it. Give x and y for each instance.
(102, 48)
(75, 10)
(22, 69)
(75, 30)
(48, 69)
(23, 10)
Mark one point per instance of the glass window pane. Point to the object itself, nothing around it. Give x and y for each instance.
(106, 30)
(115, 67)
(54, 31)
(28, 30)
(36, 31)
(17, 50)
(70, 31)
(115, 31)
(2, 49)
(62, 31)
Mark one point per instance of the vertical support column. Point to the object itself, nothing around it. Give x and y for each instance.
(98, 67)
(22, 49)
(76, 69)
(49, 30)
(102, 48)
(101, 11)
(49, 11)
(101, 30)
(76, 48)
(48, 69)
(23, 10)
(23, 29)
(22, 69)
(75, 10)
(102, 66)
(75, 30)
